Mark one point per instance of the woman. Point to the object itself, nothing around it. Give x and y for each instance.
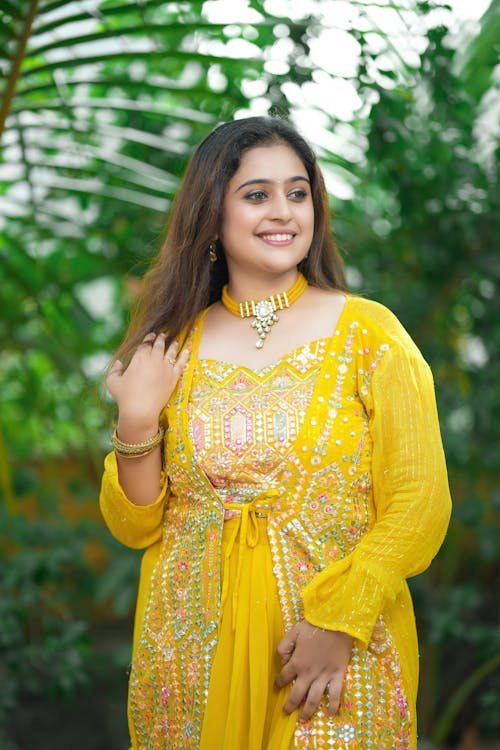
(300, 481)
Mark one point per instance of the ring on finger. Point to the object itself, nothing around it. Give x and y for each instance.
(170, 360)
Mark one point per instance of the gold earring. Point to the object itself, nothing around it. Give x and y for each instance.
(212, 252)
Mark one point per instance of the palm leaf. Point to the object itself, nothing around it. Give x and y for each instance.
(100, 107)
(481, 54)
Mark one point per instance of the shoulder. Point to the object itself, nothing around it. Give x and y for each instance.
(380, 323)
(384, 348)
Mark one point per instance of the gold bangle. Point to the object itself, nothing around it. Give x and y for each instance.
(134, 455)
(136, 450)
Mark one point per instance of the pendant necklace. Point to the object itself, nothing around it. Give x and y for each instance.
(264, 311)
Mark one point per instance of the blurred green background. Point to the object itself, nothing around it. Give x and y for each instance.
(101, 104)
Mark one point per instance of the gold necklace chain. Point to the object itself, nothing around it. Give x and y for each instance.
(264, 311)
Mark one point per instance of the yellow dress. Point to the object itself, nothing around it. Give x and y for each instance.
(309, 488)
(243, 422)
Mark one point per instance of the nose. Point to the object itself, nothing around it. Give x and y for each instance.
(281, 208)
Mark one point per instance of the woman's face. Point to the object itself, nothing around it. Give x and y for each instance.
(268, 214)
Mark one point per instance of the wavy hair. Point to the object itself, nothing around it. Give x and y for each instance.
(181, 281)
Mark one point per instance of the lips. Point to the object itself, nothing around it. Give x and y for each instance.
(277, 237)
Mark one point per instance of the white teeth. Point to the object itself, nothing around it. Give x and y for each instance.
(278, 237)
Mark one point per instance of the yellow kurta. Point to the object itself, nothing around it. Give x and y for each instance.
(313, 487)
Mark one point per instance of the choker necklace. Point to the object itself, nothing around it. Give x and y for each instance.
(264, 311)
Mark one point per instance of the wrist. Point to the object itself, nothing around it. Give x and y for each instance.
(135, 431)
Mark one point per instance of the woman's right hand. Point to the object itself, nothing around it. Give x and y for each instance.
(142, 389)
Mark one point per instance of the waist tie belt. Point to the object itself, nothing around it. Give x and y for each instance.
(248, 529)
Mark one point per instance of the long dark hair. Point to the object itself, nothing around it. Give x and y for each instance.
(181, 281)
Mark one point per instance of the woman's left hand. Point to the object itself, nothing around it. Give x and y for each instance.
(315, 660)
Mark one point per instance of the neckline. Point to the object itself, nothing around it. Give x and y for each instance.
(270, 365)
(198, 330)
(181, 405)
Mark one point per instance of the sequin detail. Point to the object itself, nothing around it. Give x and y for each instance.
(244, 422)
(374, 713)
(298, 426)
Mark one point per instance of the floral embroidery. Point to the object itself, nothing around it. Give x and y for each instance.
(370, 715)
(234, 432)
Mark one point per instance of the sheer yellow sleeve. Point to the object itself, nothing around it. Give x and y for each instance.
(411, 497)
(136, 526)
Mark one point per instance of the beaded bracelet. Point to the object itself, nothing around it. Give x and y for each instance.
(137, 450)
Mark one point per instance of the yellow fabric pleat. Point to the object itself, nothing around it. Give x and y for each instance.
(244, 710)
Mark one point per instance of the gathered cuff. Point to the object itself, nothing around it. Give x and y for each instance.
(136, 526)
(349, 595)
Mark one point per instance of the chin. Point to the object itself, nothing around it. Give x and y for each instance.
(282, 268)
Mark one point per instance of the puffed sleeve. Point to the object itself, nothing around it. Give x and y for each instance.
(136, 526)
(411, 497)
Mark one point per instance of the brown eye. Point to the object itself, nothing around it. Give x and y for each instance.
(299, 194)
(256, 195)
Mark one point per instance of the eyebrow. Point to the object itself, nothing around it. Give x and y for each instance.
(263, 181)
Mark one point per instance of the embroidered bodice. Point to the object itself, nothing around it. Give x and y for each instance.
(244, 421)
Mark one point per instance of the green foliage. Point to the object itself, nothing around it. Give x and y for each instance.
(99, 111)
(51, 590)
(43, 639)
(431, 195)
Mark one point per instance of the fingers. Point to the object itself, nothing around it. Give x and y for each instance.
(155, 344)
(297, 695)
(153, 341)
(287, 674)
(114, 374)
(287, 645)
(183, 358)
(177, 362)
(313, 699)
(149, 338)
(307, 696)
(171, 353)
(159, 344)
(333, 692)
(315, 660)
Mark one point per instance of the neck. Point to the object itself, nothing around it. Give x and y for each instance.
(244, 287)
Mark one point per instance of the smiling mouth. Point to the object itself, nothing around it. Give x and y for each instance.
(277, 237)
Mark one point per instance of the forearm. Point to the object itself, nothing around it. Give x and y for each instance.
(140, 478)
(136, 526)
(141, 391)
